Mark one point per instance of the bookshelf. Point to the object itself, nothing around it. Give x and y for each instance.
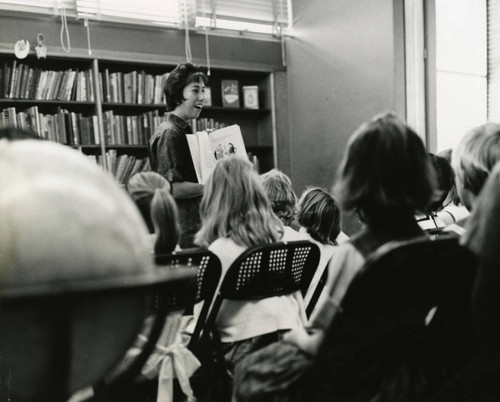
(108, 109)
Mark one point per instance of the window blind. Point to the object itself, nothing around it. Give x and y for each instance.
(39, 6)
(162, 12)
(252, 15)
(494, 60)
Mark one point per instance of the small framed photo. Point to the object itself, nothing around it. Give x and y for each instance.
(230, 93)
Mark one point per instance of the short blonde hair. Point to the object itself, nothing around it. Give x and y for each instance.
(278, 188)
(235, 206)
(475, 156)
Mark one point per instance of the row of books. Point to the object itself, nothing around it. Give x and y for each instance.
(130, 130)
(135, 87)
(123, 167)
(64, 127)
(208, 124)
(20, 81)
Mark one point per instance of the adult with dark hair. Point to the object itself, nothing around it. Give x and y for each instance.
(168, 148)
(386, 177)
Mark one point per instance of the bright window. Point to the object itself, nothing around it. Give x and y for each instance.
(461, 69)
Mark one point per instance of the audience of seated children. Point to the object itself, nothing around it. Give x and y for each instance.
(473, 159)
(152, 194)
(236, 215)
(386, 176)
(319, 218)
(279, 191)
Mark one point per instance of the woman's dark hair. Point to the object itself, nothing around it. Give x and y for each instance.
(445, 180)
(319, 213)
(183, 75)
(385, 170)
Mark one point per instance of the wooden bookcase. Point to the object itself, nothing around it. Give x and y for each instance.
(103, 107)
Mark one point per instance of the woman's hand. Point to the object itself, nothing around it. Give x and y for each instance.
(309, 342)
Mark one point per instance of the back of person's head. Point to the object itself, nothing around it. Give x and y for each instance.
(475, 156)
(234, 205)
(319, 213)
(151, 193)
(453, 197)
(278, 188)
(183, 75)
(14, 133)
(445, 180)
(385, 170)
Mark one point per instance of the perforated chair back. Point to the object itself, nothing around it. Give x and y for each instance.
(264, 271)
(269, 270)
(405, 324)
(208, 272)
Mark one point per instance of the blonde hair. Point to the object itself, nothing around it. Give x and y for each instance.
(235, 206)
(151, 193)
(475, 156)
(278, 188)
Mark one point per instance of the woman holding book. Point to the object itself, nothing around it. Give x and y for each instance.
(168, 148)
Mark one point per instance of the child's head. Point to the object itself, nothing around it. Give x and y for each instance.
(385, 170)
(452, 197)
(445, 180)
(474, 158)
(278, 188)
(319, 213)
(234, 205)
(183, 75)
(151, 193)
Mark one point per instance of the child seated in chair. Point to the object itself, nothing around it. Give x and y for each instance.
(236, 215)
(151, 193)
(319, 220)
(386, 176)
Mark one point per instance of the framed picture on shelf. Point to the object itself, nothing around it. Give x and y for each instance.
(251, 97)
(208, 97)
(230, 93)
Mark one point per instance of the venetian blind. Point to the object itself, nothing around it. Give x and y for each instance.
(494, 60)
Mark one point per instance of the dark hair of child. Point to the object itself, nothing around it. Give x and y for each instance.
(183, 75)
(453, 194)
(445, 180)
(386, 171)
(319, 213)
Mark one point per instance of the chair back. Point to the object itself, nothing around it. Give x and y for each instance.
(208, 272)
(269, 270)
(404, 325)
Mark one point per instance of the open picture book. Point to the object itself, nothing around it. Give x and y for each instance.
(207, 148)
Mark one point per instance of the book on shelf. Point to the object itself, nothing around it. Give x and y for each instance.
(230, 93)
(123, 167)
(207, 148)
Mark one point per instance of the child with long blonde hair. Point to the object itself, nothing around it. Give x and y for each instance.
(236, 215)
